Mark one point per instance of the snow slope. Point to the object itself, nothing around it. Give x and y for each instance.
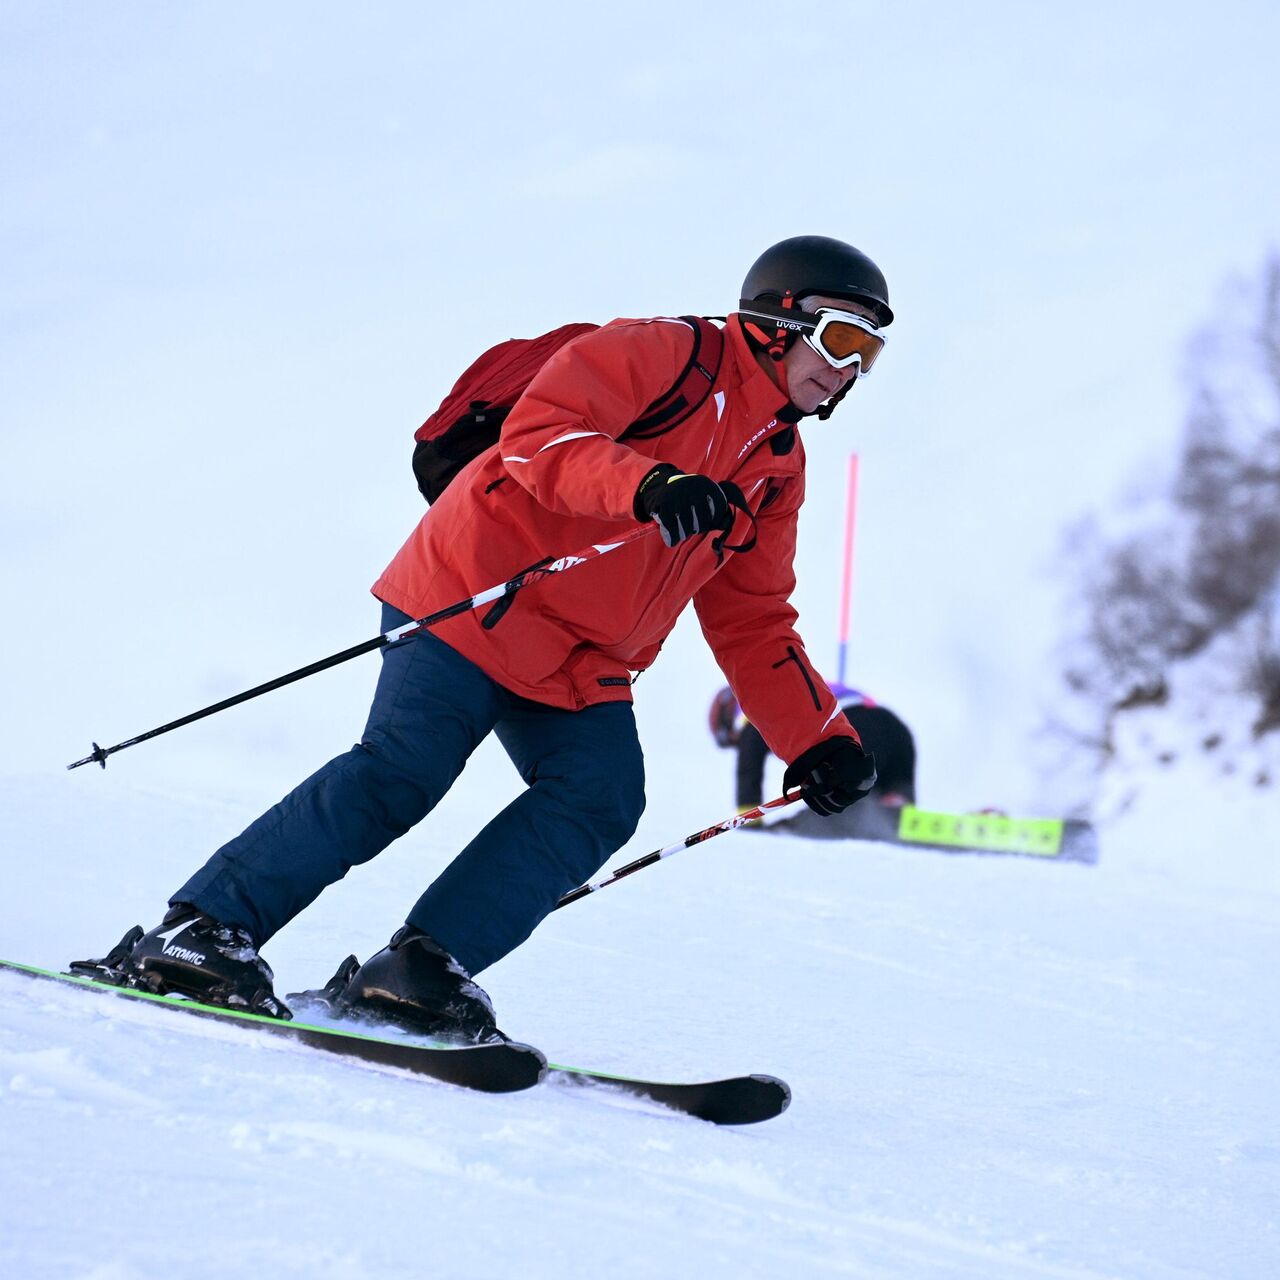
(1002, 1068)
(226, 245)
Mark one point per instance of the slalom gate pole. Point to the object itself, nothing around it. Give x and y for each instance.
(729, 824)
(535, 573)
(846, 581)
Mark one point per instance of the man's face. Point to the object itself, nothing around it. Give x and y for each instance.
(810, 379)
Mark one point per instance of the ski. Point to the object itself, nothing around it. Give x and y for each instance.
(502, 1067)
(738, 1100)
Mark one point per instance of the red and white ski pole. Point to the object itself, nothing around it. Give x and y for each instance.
(729, 824)
(525, 578)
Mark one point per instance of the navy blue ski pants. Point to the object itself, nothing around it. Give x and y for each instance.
(584, 795)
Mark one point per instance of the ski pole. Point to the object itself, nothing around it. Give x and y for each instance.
(535, 573)
(729, 824)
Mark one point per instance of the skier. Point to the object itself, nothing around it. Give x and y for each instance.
(882, 733)
(553, 677)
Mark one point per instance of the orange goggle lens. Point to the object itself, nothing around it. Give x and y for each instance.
(841, 338)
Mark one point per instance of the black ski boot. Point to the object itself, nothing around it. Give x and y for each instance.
(189, 954)
(412, 983)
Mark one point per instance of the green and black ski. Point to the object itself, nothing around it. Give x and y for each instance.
(492, 1068)
(502, 1067)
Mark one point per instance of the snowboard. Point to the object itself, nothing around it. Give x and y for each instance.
(1049, 839)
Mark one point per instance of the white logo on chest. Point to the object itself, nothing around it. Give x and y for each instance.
(755, 439)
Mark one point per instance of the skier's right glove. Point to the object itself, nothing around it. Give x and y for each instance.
(683, 505)
(831, 775)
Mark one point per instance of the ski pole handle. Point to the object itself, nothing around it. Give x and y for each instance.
(526, 577)
(729, 824)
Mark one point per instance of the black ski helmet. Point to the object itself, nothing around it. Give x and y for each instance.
(817, 264)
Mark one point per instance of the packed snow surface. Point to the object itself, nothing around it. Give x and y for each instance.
(1002, 1067)
(243, 256)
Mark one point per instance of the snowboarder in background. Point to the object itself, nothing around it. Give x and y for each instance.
(553, 677)
(883, 734)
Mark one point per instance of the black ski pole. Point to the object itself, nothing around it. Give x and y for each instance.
(535, 573)
(729, 824)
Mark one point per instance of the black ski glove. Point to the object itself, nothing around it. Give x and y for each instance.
(683, 505)
(831, 775)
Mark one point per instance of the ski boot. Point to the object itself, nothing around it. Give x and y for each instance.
(188, 954)
(412, 983)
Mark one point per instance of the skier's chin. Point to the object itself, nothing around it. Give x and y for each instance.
(812, 394)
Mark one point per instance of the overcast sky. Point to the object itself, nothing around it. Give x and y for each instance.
(245, 249)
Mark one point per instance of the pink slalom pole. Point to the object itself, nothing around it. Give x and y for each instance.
(846, 587)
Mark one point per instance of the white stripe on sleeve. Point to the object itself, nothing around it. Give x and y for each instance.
(564, 439)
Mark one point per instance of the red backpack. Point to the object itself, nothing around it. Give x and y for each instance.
(471, 415)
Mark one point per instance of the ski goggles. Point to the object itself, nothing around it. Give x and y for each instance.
(842, 339)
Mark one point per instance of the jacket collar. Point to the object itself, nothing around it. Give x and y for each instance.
(762, 392)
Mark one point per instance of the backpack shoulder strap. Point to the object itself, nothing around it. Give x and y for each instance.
(690, 389)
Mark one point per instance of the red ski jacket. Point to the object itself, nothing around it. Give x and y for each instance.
(559, 479)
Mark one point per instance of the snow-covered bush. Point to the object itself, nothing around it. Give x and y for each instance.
(1198, 558)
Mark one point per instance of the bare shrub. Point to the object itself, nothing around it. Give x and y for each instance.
(1208, 555)
(1262, 672)
(1229, 475)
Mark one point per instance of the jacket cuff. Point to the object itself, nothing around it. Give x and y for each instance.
(657, 476)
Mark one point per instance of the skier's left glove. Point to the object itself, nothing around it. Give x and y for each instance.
(831, 775)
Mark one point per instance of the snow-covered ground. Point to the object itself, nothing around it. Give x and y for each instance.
(245, 249)
(1001, 1067)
